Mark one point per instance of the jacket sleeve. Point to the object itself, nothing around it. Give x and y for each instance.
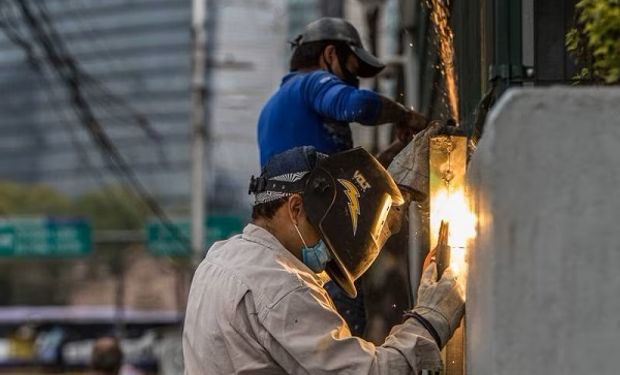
(305, 335)
(332, 98)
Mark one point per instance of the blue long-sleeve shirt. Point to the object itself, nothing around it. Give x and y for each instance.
(313, 108)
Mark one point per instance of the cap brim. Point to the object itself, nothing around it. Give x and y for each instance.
(369, 64)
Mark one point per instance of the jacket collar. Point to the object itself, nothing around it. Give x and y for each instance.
(261, 236)
(288, 76)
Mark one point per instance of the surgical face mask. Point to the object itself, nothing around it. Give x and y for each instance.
(348, 77)
(315, 257)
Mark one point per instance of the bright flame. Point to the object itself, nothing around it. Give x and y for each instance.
(453, 207)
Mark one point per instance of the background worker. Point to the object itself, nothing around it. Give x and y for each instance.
(106, 357)
(256, 304)
(316, 102)
(320, 96)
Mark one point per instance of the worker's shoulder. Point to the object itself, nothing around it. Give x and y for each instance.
(265, 271)
(309, 79)
(321, 77)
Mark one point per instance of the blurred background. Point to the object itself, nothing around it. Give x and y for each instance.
(95, 148)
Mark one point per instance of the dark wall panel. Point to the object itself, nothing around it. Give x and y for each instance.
(552, 20)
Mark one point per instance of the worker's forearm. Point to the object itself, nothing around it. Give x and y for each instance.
(390, 111)
(416, 344)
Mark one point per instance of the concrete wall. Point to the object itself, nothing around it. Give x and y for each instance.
(544, 280)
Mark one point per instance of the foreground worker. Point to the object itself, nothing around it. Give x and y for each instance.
(320, 96)
(257, 305)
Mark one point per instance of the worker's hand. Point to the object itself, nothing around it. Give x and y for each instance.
(386, 156)
(440, 303)
(412, 124)
(410, 167)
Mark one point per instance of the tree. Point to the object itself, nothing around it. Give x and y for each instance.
(594, 42)
(24, 281)
(24, 199)
(112, 207)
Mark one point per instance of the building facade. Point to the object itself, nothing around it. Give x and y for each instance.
(136, 60)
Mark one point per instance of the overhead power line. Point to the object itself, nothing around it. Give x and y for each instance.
(75, 80)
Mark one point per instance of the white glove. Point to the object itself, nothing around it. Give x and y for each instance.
(410, 167)
(441, 303)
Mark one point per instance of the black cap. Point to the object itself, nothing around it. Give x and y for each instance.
(337, 29)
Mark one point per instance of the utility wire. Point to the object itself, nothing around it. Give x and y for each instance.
(49, 93)
(60, 112)
(16, 37)
(69, 73)
(110, 97)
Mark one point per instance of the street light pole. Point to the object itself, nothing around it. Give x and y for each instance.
(199, 130)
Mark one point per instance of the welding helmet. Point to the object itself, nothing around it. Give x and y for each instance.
(337, 29)
(347, 197)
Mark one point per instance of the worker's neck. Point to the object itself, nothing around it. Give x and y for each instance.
(308, 69)
(282, 232)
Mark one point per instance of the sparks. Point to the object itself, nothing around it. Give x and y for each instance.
(439, 16)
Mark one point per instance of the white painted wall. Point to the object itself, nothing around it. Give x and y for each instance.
(544, 280)
(254, 33)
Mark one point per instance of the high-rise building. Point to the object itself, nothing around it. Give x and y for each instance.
(137, 58)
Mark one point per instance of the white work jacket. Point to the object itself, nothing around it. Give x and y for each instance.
(254, 308)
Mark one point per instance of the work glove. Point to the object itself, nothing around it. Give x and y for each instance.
(410, 167)
(386, 156)
(413, 123)
(440, 305)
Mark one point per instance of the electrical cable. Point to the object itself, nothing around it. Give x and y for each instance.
(108, 99)
(64, 117)
(69, 73)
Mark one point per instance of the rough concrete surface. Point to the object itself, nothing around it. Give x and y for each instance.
(544, 277)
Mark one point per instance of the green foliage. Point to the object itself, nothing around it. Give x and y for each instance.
(112, 207)
(595, 40)
(22, 199)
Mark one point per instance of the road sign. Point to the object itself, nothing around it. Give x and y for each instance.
(161, 241)
(44, 236)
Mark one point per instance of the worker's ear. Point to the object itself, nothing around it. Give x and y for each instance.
(295, 208)
(329, 54)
